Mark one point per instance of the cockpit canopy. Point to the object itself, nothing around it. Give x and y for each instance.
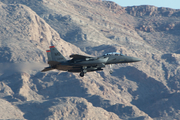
(113, 53)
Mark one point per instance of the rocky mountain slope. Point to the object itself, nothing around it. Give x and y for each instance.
(144, 91)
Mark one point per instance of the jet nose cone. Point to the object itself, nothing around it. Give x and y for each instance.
(136, 59)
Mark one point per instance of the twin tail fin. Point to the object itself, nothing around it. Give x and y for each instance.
(54, 56)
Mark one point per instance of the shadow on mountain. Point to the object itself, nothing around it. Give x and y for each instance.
(166, 107)
(121, 110)
(168, 58)
(72, 32)
(59, 85)
(34, 5)
(5, 53)
(149, 90)
(34, 110)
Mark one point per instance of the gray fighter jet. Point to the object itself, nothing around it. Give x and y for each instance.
(84, 64)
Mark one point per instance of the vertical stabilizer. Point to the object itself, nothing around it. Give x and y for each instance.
(56, 55)
(49, 55)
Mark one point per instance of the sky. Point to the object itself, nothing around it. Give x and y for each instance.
(175, 4)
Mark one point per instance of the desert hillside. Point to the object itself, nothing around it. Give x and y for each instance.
(146, 90)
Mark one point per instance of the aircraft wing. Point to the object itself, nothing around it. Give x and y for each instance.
(76, 56)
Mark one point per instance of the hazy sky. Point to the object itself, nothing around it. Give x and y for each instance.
(175, 4)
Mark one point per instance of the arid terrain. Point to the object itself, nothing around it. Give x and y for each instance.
(147, 90)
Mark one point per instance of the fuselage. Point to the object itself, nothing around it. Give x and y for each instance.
(93, 64)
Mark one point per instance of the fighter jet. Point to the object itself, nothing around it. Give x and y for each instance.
(83, 64)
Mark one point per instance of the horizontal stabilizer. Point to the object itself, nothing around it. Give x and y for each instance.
(47, 69)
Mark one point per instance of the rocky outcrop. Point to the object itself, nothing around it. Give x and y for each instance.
(112, 6)
(147, 10)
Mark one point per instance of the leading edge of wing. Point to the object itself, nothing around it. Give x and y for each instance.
(76, 56)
